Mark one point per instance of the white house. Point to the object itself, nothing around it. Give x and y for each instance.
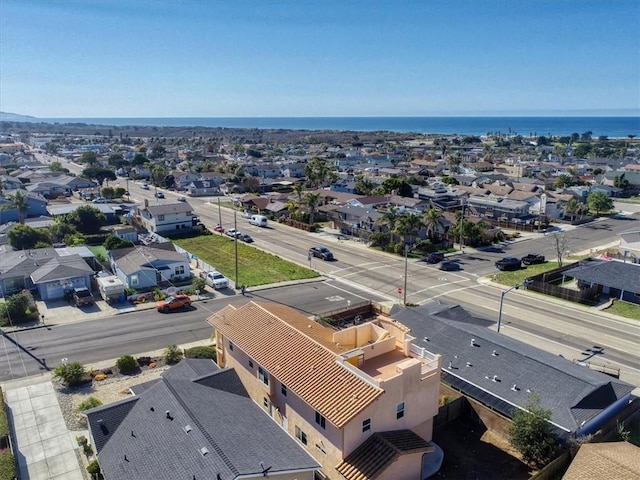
(167, 217)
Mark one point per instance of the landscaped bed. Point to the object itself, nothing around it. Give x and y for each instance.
(255, 267)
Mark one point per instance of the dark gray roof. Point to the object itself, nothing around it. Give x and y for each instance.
(573, 393)
(208, 408)
(134, 259)
(612, 273)
(42, 264)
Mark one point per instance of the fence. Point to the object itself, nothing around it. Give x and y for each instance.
(201, 264)
(542, 283)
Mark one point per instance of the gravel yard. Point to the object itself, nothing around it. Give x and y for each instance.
(112, 389)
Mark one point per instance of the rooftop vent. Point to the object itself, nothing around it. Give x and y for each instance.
(168, 414)
(495, 378)
(515, 388)
(426, 339)
(204, 451)
(468, 364)
(473, 342)
(494, 353)
(450, 365)
(187, 428)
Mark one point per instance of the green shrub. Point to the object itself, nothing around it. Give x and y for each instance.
(199, 283)
(70, 373)
(7, 465)
(172, 354)
(126, 363)
(4, 423)
(18, 308)
(93, 468)
(201, 352)
(90, 402)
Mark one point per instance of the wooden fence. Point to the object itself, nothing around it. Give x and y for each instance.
(543, 283)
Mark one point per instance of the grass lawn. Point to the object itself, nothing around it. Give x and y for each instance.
(98, 250)
(255, 267)
(625, 309)
(518, 276)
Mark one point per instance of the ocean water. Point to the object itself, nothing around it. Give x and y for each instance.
(612, 127)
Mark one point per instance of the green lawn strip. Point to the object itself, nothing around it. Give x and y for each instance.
(255, 267)
(98, 250)
(518, 276)
(7, 465)
(624, 309)
(4, 423)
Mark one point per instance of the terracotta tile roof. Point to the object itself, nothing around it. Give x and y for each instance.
(602, 461)
(379, 451)
(300, 354)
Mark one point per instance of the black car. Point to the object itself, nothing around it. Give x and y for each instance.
(532, 259)
(321, 252)
(509, 263)
(245, 237)
(449, 266)
(434, 257)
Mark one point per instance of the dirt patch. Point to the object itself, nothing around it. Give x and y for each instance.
(472, 451)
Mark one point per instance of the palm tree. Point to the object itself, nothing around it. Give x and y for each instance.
(311, 200)
(19, 202)
(433, 220)
(408, 225)
(389, 219)
(572, 207)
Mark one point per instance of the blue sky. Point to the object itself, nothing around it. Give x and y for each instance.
(233, 58)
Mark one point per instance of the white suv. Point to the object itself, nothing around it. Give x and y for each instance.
(215, 279)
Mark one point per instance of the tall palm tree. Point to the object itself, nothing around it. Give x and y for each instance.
(433, 220)
(311, 200)
(19, 202)
(408, 225)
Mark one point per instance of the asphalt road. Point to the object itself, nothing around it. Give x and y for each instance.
(30, 352)
(558, 327)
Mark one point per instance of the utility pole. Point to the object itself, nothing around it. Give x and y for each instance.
(464, 204)
(235, 240)
(219, 213)
(406, 262)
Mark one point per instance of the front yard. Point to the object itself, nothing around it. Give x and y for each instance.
(255, 267)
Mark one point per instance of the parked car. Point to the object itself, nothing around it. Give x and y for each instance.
(245, 237)
(434, 257)
(145, 186)
(99, 200)
(174, 302)
(233, 233)
(82, 296)
(509, 263)
(182, 199)
(532, 259)
(218, 228)
(159, 195)
(449, 266)
(321, 252)
(215, 279)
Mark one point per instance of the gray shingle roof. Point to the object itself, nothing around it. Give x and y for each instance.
(134, 259)
(573, 393)
(207, 408)
(614, 274)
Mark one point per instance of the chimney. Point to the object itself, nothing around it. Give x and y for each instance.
(495, 378)
(494, 353)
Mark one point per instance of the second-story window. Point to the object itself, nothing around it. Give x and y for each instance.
(320, 420)
(231, 346)
(250, 364)
(283, 390)
(366, 425)
(161, 218)
(263, 375)
(400, 411)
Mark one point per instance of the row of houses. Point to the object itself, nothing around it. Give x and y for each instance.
(361, 401)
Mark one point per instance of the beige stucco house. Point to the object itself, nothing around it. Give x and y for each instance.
(337, 391)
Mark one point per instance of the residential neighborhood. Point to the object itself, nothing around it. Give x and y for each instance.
(369, 382)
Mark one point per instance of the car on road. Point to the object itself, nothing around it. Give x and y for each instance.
(99, 200)
(218, 228)
(215, 279)
(245, 237)
(450, 266)
(434, 257)
(321, 252)
(144, 186)
(182, 199)
(159, 195)
(233, 233)
(532, 259)
(174, 302)
(509, 263)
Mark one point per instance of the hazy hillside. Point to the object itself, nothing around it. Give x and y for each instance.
(15, 117)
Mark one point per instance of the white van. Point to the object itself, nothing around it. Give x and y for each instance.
(259, 220)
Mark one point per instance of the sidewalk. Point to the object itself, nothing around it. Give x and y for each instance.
(43, 446)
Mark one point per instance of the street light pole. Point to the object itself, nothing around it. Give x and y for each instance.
(503, 293)
(404, 291)
(235, 240)
(464, 204)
